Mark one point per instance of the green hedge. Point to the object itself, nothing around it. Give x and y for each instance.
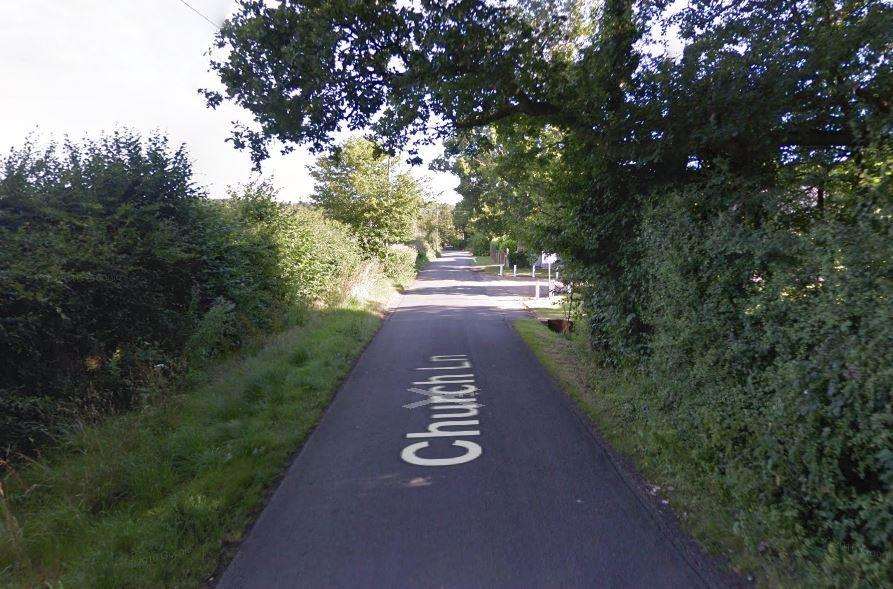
(400, 264)
(767, 330)
(428, 248)
(479, 244)
(116, 271)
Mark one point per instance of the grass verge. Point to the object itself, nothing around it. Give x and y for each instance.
(154, 497)
(487, 265)
(484, 262)
(555, 311)
(611, 397)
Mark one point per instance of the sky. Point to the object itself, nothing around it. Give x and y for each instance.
(80, 67)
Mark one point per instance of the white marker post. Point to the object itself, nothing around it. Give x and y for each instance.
(549, 280)
(500, 269)
(515, 270)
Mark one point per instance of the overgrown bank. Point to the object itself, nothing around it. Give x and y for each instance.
(155, 497)
(119, 275)
(165, 353)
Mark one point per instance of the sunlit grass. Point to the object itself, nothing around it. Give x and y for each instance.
(155, 497)
(483, 261)
(489, 266)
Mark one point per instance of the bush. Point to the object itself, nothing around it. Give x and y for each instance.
(99, 271)
(130, 272)
(217, 332)
(320, 260)
(521, 258)
(399, 264)
(479, 244)
(767, 334)
(427, 248)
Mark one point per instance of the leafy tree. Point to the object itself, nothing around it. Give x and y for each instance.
(364, 188)
(507, 178)
(726, 209)
(435, 224)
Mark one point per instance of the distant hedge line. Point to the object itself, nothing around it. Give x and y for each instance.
(116, 271)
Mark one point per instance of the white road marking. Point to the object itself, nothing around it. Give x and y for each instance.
(451, 396)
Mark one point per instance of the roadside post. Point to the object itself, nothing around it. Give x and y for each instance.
(549, 280)
(500, 269)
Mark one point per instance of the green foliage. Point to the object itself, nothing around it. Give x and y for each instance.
(151, 497)
(400, 264)
(479, 244)
(131, 274)
(435, 225)
(771, 342)
(362, 187)
(622, 401)
(387, 66)
(520, 258)
(517, 254)
(319, 258)
(99, 270)
(216, 333)
(724, 211)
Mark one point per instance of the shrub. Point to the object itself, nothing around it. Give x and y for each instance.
(99, 263)
(769, 341)
(479, 244)
(319, 259)
(520, 257)
(400, 264)
(427, 248)
(217, 332)
(129, 272)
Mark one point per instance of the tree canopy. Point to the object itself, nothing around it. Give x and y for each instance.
(753, 75)
(724, 209)
(366, 189)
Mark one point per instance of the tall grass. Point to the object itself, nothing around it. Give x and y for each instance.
(154, 497)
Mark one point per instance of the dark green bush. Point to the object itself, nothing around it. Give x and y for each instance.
(479, 244)
(767, 332)
(116, 271)
(521, 258)
(99, 265)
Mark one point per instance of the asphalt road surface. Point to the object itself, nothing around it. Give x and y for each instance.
(449, 458)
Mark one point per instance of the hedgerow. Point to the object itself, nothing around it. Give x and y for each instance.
(399, 263)
(479, 244)
(768, 333)
(117, 272)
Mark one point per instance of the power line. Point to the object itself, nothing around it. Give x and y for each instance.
(193, 9)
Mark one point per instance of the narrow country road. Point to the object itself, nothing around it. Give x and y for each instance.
(489, 478)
